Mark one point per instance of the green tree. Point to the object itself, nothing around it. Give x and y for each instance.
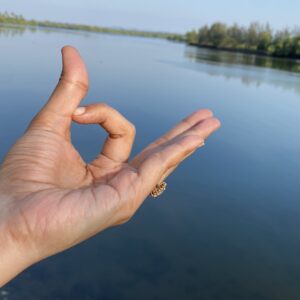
(192, 37)
(264, 39)
(297, 46)
(252, 36)
(203, 36)
(218, 34)
(282, 43)
(236, 36)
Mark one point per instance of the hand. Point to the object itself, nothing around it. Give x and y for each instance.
(50, 199)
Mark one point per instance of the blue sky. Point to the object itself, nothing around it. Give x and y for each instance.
(164, 15)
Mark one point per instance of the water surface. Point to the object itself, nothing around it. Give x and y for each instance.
(229, 225)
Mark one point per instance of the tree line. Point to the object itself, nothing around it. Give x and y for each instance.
(13, 19)
(256, 38)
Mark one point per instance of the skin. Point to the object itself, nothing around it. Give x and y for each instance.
(51, 199)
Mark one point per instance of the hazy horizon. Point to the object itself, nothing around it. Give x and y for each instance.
(171, 16)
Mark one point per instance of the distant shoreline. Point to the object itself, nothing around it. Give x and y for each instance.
(13, 19)
(191, 38)
(243, 51)
(257, 39)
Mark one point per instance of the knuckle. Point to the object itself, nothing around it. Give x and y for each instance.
(159, 158)
(126, 130)
(131, 129)
(75, 83)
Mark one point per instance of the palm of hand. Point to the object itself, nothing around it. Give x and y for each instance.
(56, 200)
(54, 190)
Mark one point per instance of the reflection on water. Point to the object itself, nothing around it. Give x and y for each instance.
(231, 58)
(12, 30)
(228, 225)
(249, 69)
(15, 30)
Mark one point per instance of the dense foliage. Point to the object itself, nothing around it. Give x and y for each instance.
(256, 38)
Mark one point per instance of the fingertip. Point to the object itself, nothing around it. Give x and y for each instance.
(68, 48)
(72, 58)
(198, 115)
(206, 112)
(74, 69)
(216, 123)
(210, 123)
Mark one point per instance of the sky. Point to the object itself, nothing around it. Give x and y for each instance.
(159, 15)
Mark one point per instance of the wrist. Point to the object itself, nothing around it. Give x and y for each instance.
(13, 260)
(13, 257)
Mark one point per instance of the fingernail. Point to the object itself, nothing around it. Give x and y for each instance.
(79, 111)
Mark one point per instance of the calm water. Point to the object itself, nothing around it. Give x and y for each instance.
(229, 225)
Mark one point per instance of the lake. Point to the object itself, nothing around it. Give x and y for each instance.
(228, 226)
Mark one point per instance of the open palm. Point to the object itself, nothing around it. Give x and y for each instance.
(53, 199)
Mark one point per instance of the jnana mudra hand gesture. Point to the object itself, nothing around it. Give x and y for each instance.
(51, 199)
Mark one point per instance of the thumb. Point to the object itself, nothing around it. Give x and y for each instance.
(69, 92)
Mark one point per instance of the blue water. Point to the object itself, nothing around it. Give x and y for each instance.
(229, 225)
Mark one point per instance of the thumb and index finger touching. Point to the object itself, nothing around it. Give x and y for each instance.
(63, 107)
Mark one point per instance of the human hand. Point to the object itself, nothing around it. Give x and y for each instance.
(50, 199)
